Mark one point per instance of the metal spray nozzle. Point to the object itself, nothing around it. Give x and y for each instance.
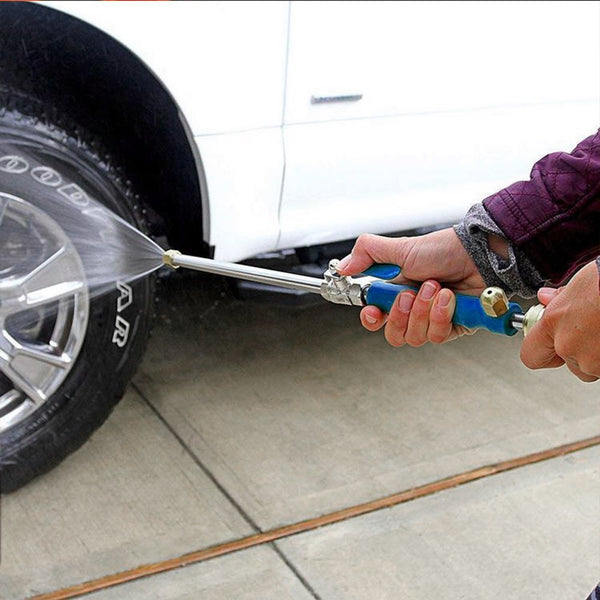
(168, 256)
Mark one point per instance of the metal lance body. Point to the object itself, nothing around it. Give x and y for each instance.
(174, 259)
(491, 311)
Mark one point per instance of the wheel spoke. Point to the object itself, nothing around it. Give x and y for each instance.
(47, 356)
(33, 392)
(54, 279)
(51, 293)
(9, 398)
(27, 366)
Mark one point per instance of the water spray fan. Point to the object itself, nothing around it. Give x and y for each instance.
(491, 311)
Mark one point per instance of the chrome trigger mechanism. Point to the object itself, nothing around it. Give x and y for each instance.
(342, 289)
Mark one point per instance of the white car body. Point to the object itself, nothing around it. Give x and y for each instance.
(458, 100)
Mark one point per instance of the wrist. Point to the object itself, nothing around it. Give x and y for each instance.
(499, 263)
(498, 245)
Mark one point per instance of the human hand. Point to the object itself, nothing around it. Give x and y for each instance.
(568, 332)
(416, 318)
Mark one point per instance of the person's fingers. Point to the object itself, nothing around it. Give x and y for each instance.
(440, 318)
(547, 294)
(370, 249)
(372, 318)
(397, 322)
(574, 367)
(418, 323)
(537, 349)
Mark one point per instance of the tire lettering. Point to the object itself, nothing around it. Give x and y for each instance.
(13, 164)
(46, 176)
(121, 333)
(122, 326)
(75, 194)
(16, 165)
(125, 296)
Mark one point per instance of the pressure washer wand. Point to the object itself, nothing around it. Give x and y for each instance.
(490, 311)
(293, 281)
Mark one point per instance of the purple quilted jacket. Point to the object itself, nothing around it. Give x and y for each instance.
(554, 218)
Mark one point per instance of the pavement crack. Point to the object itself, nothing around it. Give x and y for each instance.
(211, 476)
(292, 567)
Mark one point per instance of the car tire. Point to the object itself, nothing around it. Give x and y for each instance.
(66, 363)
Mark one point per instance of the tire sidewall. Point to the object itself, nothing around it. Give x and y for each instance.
(118, 321)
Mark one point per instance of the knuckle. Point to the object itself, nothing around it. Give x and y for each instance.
(393, 337)
(551, 319)
(580, 374)
(398, 320)
(590, 367)
(360, 241)
(364, 239)
(414, 340)
(420, 309)
(563, 347)
(527, 359)
(395, 329)
(361, 244)
(440, 317)
(437, 337)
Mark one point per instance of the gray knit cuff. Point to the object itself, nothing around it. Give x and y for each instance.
(516, 275)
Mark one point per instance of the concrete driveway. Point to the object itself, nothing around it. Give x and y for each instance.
(266, 452)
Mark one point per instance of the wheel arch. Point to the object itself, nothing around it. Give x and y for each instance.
(101, 85)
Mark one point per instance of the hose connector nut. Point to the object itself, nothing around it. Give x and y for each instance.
(168, 257)
(494, 301)
(532, 316)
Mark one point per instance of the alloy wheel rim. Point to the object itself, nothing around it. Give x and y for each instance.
(44, 308)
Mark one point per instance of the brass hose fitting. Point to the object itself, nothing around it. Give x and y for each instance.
(494, 301)
(532, 316)
(168, 257)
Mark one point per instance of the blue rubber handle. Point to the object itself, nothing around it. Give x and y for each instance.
(383, 271)
(468, 313)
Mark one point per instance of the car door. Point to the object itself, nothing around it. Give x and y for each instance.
(403, 114)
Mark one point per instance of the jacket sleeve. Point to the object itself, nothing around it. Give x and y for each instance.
(554, 218)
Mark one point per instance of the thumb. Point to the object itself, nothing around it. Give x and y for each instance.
(371, 249)
(547, 294)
